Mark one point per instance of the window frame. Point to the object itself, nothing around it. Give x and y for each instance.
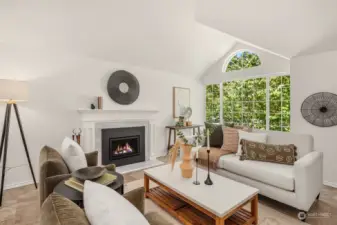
(221, 119)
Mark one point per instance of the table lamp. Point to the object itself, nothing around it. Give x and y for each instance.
(12, 92)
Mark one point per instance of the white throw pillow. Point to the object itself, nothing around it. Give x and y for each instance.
(258, 137)
(73, 155)
(104, 206)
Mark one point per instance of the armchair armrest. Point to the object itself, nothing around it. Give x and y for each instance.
(92, 158)
(308, 173)
(49, 185)
(136, 197)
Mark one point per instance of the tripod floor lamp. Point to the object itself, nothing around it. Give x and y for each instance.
(11, 92)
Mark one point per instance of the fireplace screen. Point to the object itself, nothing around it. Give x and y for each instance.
(124, 146)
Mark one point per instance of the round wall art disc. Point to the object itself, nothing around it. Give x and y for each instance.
(123, 87)
(320, 109)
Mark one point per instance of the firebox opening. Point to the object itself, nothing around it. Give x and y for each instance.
(125, 146)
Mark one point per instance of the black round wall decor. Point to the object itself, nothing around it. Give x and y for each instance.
(320, 109)
(123, 87)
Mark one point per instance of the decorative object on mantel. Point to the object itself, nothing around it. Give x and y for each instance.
(208, 180)
(123, 87)
(92, 106)
(320, 109)
(186, 146)
(181, 100)
(100, 102)
(11, 92)
(77, 135)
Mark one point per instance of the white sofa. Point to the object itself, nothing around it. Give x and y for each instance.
(297, 185)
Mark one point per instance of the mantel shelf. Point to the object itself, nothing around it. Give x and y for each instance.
(96, 111)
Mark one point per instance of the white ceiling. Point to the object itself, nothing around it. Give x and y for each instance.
(180, 36)
(287, 27)
(150, 33)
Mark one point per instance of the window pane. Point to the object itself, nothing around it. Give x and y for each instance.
(275, 107)
(275, 122)
(212, 103)
(237, 106)
(260, 107)
(227, 117)
(227, 107)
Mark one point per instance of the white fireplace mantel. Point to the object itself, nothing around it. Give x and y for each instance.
(93, 121)
(116, 114)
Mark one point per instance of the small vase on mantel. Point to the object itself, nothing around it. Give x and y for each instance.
(186, 166)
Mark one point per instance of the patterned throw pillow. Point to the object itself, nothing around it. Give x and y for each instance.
(283, 154)
(231, 138)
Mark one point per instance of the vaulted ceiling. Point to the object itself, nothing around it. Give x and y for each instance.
(149, 33)
(180, 36)
(286, 27)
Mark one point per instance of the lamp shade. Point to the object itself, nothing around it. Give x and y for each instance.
(13, 90)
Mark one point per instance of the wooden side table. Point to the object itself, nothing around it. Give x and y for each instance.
(174, 129)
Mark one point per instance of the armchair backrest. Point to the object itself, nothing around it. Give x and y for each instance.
(51, 164)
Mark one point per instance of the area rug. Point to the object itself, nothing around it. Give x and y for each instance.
(267, 215)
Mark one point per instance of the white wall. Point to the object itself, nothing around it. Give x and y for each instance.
(270, 65)
(311, 74)
(62, 83)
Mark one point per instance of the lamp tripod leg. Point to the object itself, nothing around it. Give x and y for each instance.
(3, 132)
(5, 142)
(24, 142)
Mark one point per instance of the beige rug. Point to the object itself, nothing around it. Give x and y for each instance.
(267, 215)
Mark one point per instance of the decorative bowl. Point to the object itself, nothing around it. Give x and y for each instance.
(89, 173)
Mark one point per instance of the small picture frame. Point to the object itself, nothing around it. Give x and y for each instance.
(181, 100)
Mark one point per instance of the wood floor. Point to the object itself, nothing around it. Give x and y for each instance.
(21, 207)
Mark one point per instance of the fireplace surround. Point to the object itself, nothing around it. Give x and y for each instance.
(123, 146)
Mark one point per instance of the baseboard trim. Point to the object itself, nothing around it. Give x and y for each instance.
(331, 184)
(19, 184)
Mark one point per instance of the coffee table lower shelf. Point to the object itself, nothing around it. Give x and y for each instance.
(187, 214)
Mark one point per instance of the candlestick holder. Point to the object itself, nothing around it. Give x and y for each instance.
(208, 181)
(196, 182)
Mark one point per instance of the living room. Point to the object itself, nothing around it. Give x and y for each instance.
(132, 83)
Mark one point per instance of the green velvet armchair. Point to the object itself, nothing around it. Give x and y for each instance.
(53, 169)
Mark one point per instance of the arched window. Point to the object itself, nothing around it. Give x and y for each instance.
(260, 103)
(240, 60)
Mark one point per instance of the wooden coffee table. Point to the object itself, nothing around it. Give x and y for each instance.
(219, 204)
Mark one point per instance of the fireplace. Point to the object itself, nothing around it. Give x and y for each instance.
(123, 146)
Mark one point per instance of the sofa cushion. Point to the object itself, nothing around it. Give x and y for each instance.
(216, 136)
(231, 138)
(104, 206)
(258, 137)
(73, 155)
(303, 142)
(277, 175)
(58, 210)
(283, 154)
